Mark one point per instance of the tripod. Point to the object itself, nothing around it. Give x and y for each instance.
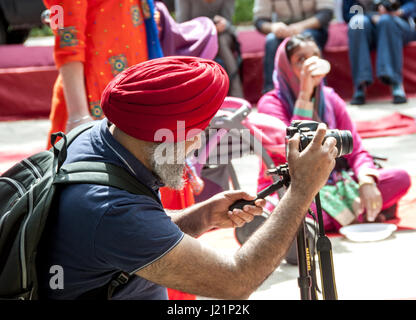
(323, 245)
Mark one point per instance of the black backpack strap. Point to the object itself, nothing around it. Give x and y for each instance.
(106, 292)
(102, 173)
(59, 148)
(74, 133)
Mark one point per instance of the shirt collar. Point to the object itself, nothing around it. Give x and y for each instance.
(129, 161)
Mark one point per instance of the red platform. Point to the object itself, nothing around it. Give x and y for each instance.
(27, 75)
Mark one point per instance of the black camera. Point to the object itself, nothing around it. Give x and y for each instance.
(390, 5)
(307, 130)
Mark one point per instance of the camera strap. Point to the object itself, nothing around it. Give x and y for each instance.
(324, 249)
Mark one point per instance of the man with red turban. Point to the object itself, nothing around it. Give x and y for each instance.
(155, 112)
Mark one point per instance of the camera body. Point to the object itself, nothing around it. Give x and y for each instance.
(390, 5)
(307, 130)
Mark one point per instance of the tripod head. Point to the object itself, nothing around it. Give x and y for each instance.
(283, 171)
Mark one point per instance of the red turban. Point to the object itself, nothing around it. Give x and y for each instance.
(158, 93)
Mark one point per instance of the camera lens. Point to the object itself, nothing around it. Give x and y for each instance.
(307, 130)
(344, 141)
(347, 142)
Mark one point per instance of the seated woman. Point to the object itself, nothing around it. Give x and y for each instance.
(356, 191)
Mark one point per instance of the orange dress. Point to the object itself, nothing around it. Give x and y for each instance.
(177, 200)
(107, 36)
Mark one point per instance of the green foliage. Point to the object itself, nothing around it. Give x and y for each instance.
(43, 31)
(243, 11)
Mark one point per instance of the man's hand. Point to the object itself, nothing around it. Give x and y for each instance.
(397, 13)
(382, 9)
(310, 169)
(220, 23)
(219, 215)
(280, 29)
(375, 18)
(295, 28)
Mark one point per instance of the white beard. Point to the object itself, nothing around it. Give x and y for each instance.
(167, 161)
(168, 164)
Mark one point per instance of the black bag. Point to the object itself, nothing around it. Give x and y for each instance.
(27, 193)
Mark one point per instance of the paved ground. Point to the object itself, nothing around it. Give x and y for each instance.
(378, 270)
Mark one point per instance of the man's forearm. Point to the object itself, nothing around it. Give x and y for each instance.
(265, 249)
(310, 23)
(192, 220)
(266, 27)
(238, 275)
(263, 25)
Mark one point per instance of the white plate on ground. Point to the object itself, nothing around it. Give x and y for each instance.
(368, 231)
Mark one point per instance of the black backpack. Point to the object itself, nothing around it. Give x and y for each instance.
(27, 193)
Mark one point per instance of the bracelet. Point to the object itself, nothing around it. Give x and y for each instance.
(78, 120)
(303, 108)
(366, 180)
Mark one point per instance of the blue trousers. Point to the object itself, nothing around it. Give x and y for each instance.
(387, 37)
(272, 43)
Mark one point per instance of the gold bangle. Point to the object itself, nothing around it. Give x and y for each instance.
(366, 180)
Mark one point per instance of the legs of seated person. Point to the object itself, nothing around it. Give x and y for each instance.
(392, 34)
(225, 53)
(361, 40)
(393, 185)
(319, 35)
(388, 37)
(272, 43)
(389, 49)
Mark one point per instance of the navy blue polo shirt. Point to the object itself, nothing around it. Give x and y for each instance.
(100, 230)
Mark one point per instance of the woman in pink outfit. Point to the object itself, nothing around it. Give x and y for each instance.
(357, 191)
